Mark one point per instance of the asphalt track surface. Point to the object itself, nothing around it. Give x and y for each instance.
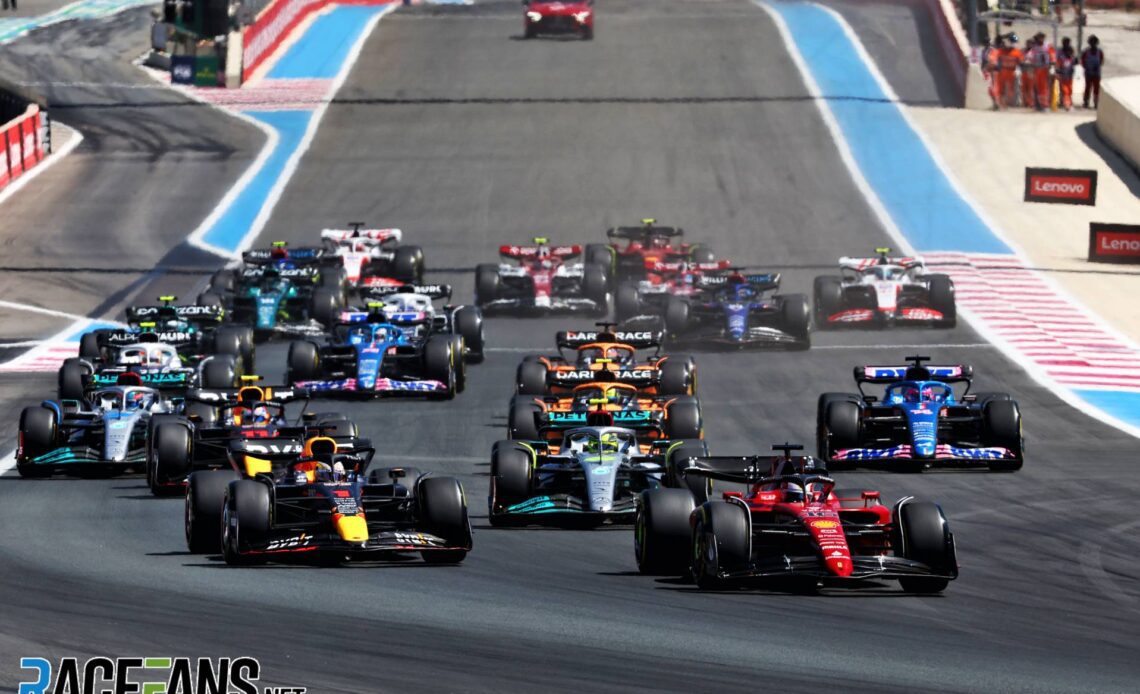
(567, 138)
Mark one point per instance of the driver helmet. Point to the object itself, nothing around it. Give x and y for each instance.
(911, 394)
(793, 493)
(927, 393)
(260, 415)
(606, 443)
(137, 399)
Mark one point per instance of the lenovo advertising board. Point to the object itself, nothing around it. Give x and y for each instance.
(1066, 186)
(1114, 243)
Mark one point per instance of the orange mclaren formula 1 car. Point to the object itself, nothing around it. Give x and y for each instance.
(651, 417)
(614, 352)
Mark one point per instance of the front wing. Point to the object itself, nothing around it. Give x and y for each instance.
(288, 541)
(864, 568)
(569, 505)
(383, 386)
(79, 456)
(944, 454)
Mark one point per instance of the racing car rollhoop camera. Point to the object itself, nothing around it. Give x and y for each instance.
(542, 281)
(919, 421)
(883, 291)
(791, 528)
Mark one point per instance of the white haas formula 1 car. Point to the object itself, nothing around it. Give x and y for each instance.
(374, 253)
(884, 291)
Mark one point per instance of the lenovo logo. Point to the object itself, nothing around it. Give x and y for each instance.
(1114, 243)
(1069, 186)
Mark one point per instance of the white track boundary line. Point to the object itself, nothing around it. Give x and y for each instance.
(49, 161)
(8, 462)
(44, 311)
(1031, 368)
(814, 348)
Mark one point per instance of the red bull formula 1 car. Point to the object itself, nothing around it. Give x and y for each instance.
(884, 291)
(791, 529)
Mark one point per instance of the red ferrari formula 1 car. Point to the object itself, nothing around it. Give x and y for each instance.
(663, 279)
(543, 281)
(645, 245)
(546, 17)
(792, 527)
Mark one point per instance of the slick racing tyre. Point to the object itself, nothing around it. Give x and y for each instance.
(596, 286)
(1001, 428)
(662, 538)
(459, 360)
(720, 543)
(39, 432)
(443, 512)
(487, 283)
(408, 264)
(601, 254)
(73, 377)
(522, 422)
(512, 480)
(210, 298)
(683, 419)
(439, 364)
(700, 253)
(921, 534)
(245, 521)
(842, 428)
(89, 346)
(205, 494)
(236, 341)
(678, 376)
(941, 290)
(201, 413)
(530, 378)
(171, 456)
(303, 363)
(220, 372)
(222, 282)
(827, 299)
(324, 305)
(627, 302)
(676, 316)
(469, 324)
(699, 486)
(795, 319)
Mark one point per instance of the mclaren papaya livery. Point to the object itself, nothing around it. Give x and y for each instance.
(884, 291)
(542, 281)
(309, 497)
(620, 353)
(373, 253)
(919, 421)
(791, 528)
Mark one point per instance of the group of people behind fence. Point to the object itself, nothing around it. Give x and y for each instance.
(1029, 78)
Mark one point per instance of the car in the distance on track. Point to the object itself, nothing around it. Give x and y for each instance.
(310, 497)
(104, 433)
(663, 279)
(644, 246)
(153, 363)
(919, 421)
(612, 351)
(413, 306)
(364, 253)
(542, 282)
(556, 17)
(592, 475)
(739, 311)
(884, 291)
(792, 529)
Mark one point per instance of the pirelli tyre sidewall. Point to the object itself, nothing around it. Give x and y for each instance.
(530, 378)
(921, 534)
(171, 455)
(662, 536)
(74, 374)
(522, 416)
(303, 362)
(683, 419)
(487, 283)
(245, 520)
(443, 512)
(39, 433)
(468, 322)
(678, 376)
(439, 363)
(512, 475)
(720, 542)
(827, 299)
(205, 494)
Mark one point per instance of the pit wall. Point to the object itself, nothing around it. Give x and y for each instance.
(1118, 117)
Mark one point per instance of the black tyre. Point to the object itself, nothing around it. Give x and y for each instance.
(827, 298)
(335, 277)
(205, 495)
(662, 537)
(795, 318)
(982, 398)
(459, 359)
(601, 254)
(627, 301)
(206, 414)
(245, 520)
(530, 378)
(596, 285)
(324, 306)
(700, 253)
(39, 433)
(171, 456)
(408, 264)
(220, 372)
(678, 376)
(439, 363)
(222, 282)
(89, 346)
(229, 340)
(304, 362)
(522, 423)
(942, 300)
(529, 32)
(469, 324)
(683, 419)
(487, 283)
(588, 34)
(210, 298)
(677, 315)
(511, 478)
(1001, 428)
(822, 403)
(443, 512)
(720, 542)
(699, 487)
(843, 428)
(73, 376)
(922, 535)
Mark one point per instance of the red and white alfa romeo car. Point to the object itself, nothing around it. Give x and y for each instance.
(541, 280)
(882, 291)
(545, 17)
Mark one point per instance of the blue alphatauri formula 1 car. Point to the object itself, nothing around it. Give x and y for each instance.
(919, 421)
(368, 355)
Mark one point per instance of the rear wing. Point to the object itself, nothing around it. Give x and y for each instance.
(640, 378)
(378, 236)
(643, 232)
(275, 395)
(632, 419)
(121, 338)
(762, 282)
(661, 266)
(861, 264)
(194, 313)
(748, 469)
(253, 272)
(959, 373)
(170, 378)
(432, 291)
(301, 254)
(642, 339)
(524, 252)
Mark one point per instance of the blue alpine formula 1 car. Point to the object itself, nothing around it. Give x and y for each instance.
(737, 311)
(368, 355)
(919, 421)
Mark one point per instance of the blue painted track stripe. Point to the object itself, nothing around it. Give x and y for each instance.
(322, 52)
